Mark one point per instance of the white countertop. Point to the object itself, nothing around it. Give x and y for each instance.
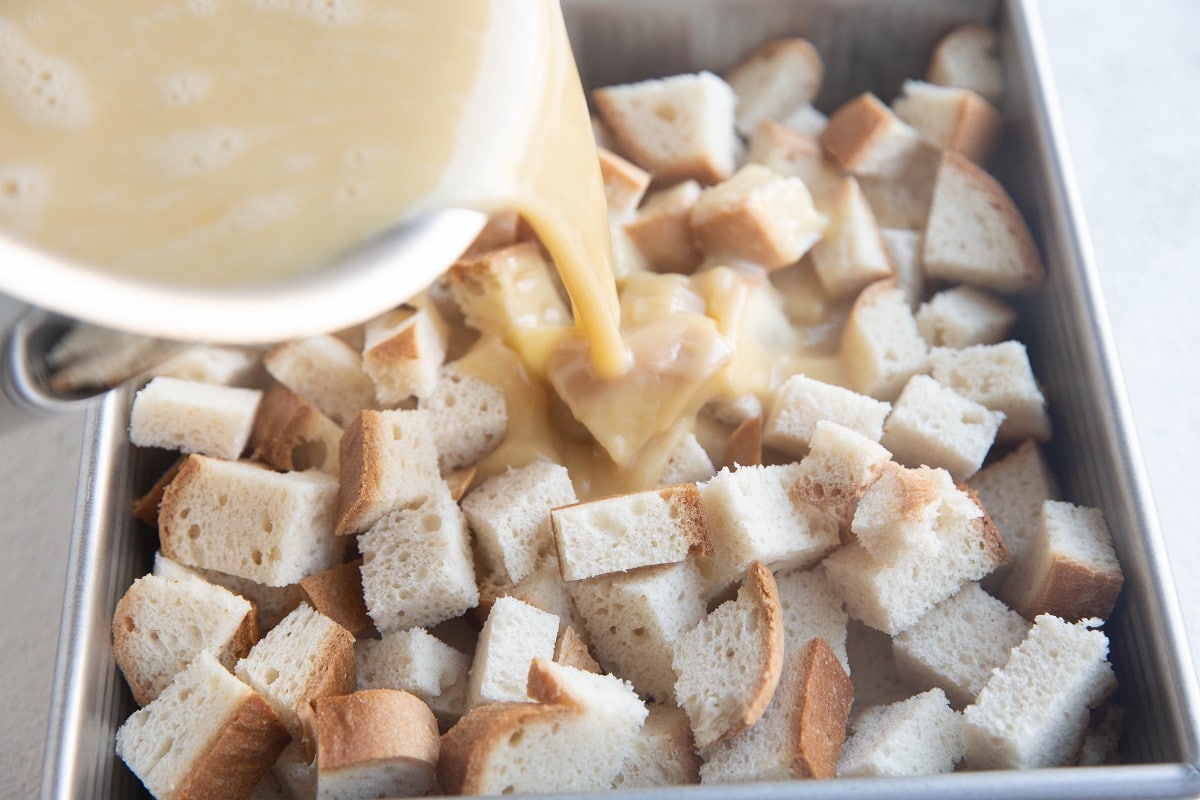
(1128, 80)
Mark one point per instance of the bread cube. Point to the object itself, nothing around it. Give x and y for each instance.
(918, 736)
(812, 608)
(1000, 377)
(851, 253)
(388, 460)
(865, 138)
(207, 363)
(904, 252)
(891, 591)
(468, 418)
(1013, 490)
(338, 594)
(933, 424)
(688, 463)
(193, 417)
(206, 735)
(963, 316)
(792, 153)
(374, 743)
(968, 57)
(306, 656)
(510, 515)
(1070, 570)
(901, 198)
(403, 351)
(881, 344)
(289, 433)
(417, 569)
(950, 118)
(514, 634)
(664, 753)
(678, 128)
(743, 448)
(542, 588)
(502, 229)
(807, 120)
(418, 662)
(778, 78)
(976, 234)
(752, 517)
(634, 619)
(958, 643)
(1034, 711)
(326, 372)
(840, 465)
(624, 184)
(802, 730)
(508, 289)
(662, 229)
(873, 667)
(618, 533)
(575, 737)
(721, 703)
(246, 520)
(271, 603)
(898, 513)
(161, 624)
(572, 650)
(801, 402)
(757, 216)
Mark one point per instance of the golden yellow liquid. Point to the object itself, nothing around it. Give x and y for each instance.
(233, 142)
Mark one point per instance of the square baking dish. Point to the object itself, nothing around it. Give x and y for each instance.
(866, 45)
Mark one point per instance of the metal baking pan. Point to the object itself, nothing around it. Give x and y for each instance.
(867, 44)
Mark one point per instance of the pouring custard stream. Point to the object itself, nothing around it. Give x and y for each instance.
(239, 142)
(233, 142)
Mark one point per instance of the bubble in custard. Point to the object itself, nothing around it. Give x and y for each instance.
(198, 152)
(184, 88)
(202, 8)
(263, 210)
(328, 12)
(42, 89)
(24, 189)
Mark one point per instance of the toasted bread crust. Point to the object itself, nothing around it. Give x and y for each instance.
(460, 481)
(572, 651)
(764, 597)
(145, 508)
(284, 420)
(190, 469)
(374, 725)
(686, 498)
(823, 707)
(1029, 272)
(240, 756)
(992, 541)
(853, 130)
(337, 593)
(467, 747)
(1074, 590)
(338, 672)
(976, 129)
(361, 462)
(744, 446)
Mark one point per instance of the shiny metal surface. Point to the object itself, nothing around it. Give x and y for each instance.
(1070, 345)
